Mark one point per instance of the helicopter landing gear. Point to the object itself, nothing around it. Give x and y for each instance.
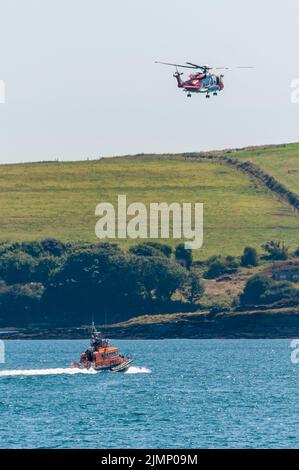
(207, 96)
(215, 94)
(189, 95)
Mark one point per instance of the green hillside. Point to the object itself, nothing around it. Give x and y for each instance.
(281, 162)
(58, 200)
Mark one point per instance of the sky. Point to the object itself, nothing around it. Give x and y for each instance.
(81, 82)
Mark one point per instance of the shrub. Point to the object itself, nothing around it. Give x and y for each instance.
(219, 267)
(143, 249)
(16, 267)
(219, 307)
(47, 247)
(182, 254)
(19, 304)
(282, 290)
(255, 288)
(44, 267)
(193, 289)
(53, 247)
(263, 290)
(250, 257)
(276, 250)
(163, 247)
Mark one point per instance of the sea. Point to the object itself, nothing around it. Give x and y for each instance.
(178, 394)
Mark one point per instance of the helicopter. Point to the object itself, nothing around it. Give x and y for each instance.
(202, 80)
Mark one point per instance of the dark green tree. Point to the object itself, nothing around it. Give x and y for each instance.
(276, 250)
(53, 247)
(250, 257)
(219, 266)
(184, 255)
(163, 247)
(44, 267)
(255, 289)
(169, 277)
(143, 249)
(151, 249)
(20, 305)
(17, 267)
(193, 289)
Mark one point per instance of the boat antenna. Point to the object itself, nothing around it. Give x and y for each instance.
(93, 328)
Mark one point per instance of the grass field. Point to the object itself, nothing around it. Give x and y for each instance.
(58, 199)
(282, 163)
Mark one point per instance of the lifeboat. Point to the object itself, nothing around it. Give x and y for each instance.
(102, 356)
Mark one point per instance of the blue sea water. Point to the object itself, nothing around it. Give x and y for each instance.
(179, 394)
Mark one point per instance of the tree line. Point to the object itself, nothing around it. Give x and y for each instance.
(50, 282)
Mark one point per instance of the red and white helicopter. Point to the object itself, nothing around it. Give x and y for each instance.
(201, 80)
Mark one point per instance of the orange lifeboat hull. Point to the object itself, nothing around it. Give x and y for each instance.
(105, 358)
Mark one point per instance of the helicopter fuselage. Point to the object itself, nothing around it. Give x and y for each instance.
(201, 83)
(201, 80)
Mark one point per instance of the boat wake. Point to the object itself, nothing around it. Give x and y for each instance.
(69, 370)
(58, 371)
(138, 370)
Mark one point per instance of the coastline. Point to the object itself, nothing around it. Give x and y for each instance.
(279, 323)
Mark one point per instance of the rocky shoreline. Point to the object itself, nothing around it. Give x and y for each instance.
(253, 324)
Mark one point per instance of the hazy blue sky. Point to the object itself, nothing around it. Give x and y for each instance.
(81, 80)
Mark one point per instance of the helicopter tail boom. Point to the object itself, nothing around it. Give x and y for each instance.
(177, 76)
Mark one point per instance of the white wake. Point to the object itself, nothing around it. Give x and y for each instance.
(137, 370)
(59, 371)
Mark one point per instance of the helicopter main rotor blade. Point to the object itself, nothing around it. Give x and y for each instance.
(205, 68)
(174, 65)
(196, 66)
(190, 65)
(238, 67)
